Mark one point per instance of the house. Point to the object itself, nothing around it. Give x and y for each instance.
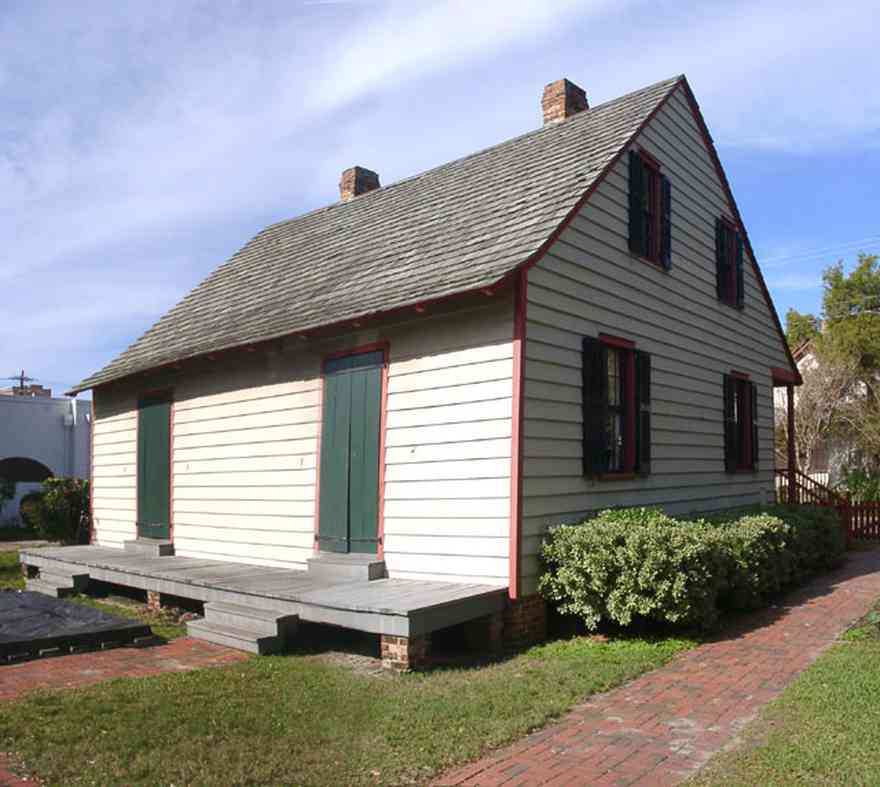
(431, 373)
(824, 457)
(41, 436)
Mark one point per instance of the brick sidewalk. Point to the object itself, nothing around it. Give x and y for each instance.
(84, 669)
(662, 727)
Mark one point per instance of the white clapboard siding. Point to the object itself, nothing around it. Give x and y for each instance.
(588, 284)
(245, 459)
(114, 468)
(447, 475)
(246, 440)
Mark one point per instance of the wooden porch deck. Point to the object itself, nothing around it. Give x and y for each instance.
(397, 607)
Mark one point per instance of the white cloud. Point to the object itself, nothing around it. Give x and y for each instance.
(135, 136)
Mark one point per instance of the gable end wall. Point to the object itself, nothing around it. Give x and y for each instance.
(589, 283)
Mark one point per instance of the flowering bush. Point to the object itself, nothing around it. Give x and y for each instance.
(640, 564)
(63, 513)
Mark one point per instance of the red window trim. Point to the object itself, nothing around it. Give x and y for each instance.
(744, 405)
(654, 256)
(629, 392)
(649, 159)
(730, 294)
(617, 341)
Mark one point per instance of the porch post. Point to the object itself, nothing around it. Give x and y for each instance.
(792, 452)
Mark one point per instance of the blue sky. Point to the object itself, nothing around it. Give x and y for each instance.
(141, 144)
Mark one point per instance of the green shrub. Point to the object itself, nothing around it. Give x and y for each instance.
(756, 559)
(631, 565)
(861, 486)
(62, 514)
(27, 508)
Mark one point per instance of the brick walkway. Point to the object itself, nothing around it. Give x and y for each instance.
(660, 728)
(84, 669)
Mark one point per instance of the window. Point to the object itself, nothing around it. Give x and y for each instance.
(650, 210)
(616, 401)
(740, 423)
(729, 263)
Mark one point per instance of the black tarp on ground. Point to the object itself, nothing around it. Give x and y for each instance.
(32, 624)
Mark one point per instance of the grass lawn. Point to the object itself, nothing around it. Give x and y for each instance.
(10, 571)
(823, 730)
(306, 720)
(165, 623)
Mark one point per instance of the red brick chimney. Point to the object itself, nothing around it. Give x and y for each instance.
(356, 181)
(561, 100)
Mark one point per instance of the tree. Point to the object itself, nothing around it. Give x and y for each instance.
(800, 328)
(820, 404)
(851, 311)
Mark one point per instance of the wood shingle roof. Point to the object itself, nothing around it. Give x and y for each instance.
(460, 227)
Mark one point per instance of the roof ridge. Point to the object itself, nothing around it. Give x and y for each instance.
(458, 227)
(580, 116)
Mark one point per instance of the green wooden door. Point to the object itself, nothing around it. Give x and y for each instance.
(154, 466)
(349, 504)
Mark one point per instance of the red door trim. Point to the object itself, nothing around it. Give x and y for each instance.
(520, 305)
(92, 469)
(385, 347)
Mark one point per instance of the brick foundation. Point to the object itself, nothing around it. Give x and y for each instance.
(525, 621)
(405, 653)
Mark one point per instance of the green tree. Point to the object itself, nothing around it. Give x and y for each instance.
(851, 310)
(800, 328)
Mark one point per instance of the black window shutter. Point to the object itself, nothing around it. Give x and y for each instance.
(595, 397)
(636, 190)
(643, 413)
(754, 404)
(721, 277)
(666, 217)
(731, 446)
(740, 291)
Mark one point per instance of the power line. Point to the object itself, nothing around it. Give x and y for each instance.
(772, 262)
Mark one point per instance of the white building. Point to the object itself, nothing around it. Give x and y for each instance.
(42, 437)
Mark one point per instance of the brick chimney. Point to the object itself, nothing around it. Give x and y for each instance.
(356, 181)
(561, 100)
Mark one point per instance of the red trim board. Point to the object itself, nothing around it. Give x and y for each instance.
(520, 302)
(92, 471)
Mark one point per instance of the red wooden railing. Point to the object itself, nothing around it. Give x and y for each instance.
(858, 520)
(807, 491)
(862, 520)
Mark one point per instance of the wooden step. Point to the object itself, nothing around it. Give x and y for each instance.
(48, 588)
(263, 622)
(61, 578)
(233, 637)
(150, 547)
(346, 567)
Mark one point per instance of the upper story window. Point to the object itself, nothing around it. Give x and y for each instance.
(740, 423)
(650, 210)
(729, 263)
(616, 401)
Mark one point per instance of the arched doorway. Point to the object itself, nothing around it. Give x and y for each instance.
(20, 470)
(21, 476)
